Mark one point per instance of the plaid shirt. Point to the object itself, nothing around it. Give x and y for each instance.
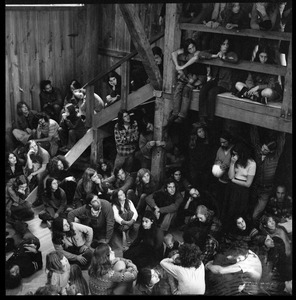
(210, 249)
(126, 139)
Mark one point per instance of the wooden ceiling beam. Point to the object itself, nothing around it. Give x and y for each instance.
(141, 43)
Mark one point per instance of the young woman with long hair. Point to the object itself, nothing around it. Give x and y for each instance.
(102, 277)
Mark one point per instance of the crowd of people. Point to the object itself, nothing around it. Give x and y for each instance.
(223, 192)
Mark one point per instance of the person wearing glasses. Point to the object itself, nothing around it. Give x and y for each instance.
(126, 134)
(98, 214)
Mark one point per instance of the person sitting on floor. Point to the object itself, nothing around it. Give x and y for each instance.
(73, 240)
(165, 203)
(24, 262)
(96, 213)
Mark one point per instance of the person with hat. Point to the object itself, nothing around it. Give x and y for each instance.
(221, 80)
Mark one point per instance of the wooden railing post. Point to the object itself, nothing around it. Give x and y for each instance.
(125, 79)
(90, 105)
(286, 111)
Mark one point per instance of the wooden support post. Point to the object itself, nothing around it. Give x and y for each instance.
(141, 43)
(90, 122)
(125, 69)
(163, 105)
(286, 111)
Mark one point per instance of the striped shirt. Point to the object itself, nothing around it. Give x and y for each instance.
(50, 129)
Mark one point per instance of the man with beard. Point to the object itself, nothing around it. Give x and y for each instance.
(267, 155)
(51, 100)
(165, 203)
(221, 166)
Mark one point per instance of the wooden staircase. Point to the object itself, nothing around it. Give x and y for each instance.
(106, 115)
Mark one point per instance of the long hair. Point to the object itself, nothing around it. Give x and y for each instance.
(190, 255)
(58, 232)
(118, 78)
(48, 188)
(219, 41)
(53, 264)
(72, 112)
(109, 169)
(120, 118)
(265, 49)
(19, 107)
(208, 213)
(249, 225)
(144, 276)
(76, 277)
(7, 160)
(53, 164)
(152, 232)
(87, 183)
(100, 263)
(243, 152)
(140, 175)
(19, 180)
(187, 42)
(116, 202)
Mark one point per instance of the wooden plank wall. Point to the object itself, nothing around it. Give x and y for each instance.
(47, 43)
(54, 44)
(115, 36)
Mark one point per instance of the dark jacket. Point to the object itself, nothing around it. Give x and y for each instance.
(102, 225)
(31, 121)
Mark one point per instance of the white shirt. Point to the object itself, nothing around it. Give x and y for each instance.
(117, 217)
(242, 173)
(191, 281)
(252, 265)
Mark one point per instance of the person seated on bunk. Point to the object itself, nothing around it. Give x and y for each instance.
(261, 87)
(191, 75)
(114, 87)
(80, 96)
(72, 128)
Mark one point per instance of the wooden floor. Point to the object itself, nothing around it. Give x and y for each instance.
(44, 235)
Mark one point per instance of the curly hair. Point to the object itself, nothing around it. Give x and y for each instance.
(48, 188)
(19, 107)
(243, 152)
(140, 175)
(120, 118)
(53, 164)
(189, 255)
